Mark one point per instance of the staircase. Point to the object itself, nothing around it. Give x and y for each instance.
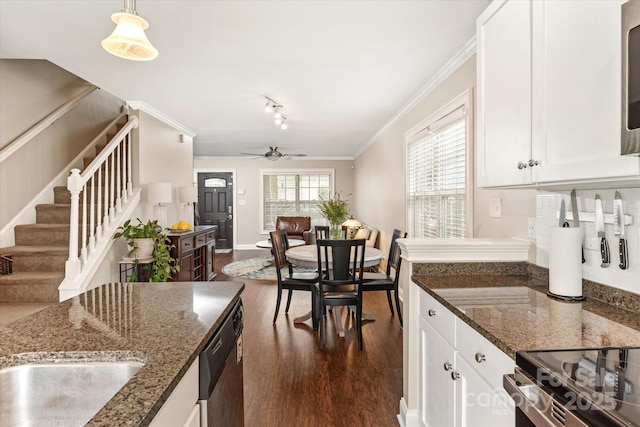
(41, 249)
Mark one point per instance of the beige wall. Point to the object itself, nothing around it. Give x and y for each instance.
(30, 90)
(380, 174)
(247, 177)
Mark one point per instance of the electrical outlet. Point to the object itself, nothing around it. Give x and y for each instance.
(531, 230)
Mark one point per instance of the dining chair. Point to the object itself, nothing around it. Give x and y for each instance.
(386, 281)
(322, 232)
(291, 280)
(343, 260)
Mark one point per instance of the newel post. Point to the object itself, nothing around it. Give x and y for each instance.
(73, 265)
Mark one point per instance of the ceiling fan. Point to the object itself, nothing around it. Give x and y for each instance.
(273, 154)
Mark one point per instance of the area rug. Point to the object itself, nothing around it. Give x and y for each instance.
(261, 268)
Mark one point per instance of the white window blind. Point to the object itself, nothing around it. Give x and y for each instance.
(437, 178)
(293, 194)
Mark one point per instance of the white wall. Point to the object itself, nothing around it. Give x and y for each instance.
(247, 224)
(29, 91)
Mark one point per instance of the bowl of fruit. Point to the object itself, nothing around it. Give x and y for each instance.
(181, 227)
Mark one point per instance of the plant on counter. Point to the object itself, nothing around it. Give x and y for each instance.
(335, 209)
(147, 241)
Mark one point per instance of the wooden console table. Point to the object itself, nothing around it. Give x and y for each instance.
(195, 253)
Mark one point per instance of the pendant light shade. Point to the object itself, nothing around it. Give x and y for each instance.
(128, 40)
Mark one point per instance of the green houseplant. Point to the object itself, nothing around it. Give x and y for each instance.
(149, 234)
(335, 209)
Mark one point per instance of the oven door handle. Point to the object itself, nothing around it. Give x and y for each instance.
(537, 405)
(527, 397)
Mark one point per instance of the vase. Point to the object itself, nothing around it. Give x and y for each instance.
(336, 231)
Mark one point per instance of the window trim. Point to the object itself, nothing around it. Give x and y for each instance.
(464, 100)
(263, 172)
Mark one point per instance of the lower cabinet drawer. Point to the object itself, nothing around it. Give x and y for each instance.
(438, 316)
(201, 240)
(487, 359)
(186, 244)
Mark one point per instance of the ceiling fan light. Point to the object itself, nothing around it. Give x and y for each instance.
(128, 40)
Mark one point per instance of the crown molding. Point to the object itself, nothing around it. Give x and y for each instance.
(467, 51)
(142, 106)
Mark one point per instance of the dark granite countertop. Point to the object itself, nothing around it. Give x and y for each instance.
(165, 324)
(514, 312)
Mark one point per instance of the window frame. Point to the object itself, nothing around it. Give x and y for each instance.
(465, 101)
(313, 171)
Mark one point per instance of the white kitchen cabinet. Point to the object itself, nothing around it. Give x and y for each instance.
(574, 92)
(437, 390)
(481, 366)
(181, 407)
(503, 139)
(460, 373)
(479, 404)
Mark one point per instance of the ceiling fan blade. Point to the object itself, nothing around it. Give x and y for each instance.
(252, 154)
(295, 155)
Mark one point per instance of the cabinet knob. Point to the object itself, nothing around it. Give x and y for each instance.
(455, 375)
(480, 357)
(533, 163)
(432, 313)
(522, 165)
(448, 366)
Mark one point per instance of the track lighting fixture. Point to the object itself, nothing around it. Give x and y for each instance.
(274, 106)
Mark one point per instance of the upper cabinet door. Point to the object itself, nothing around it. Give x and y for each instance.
(577, 92)
(549, 94)
(503, 140)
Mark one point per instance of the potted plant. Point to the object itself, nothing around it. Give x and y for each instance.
(335, 209)
(147, 241)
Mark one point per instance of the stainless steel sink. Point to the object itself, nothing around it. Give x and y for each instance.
(60, 391)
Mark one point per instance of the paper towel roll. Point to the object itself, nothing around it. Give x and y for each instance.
(565, 262)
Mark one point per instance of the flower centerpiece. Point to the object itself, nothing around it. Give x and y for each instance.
(335, 209)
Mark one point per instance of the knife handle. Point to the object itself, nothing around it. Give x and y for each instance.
(604, 251)
(623, 254)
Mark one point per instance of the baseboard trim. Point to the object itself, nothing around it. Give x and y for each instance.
(406, 417)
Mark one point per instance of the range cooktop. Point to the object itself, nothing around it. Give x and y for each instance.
(599, 385)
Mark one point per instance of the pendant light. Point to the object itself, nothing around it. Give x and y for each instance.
(128, 40)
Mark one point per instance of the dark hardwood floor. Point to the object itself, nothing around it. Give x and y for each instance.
(289, 381)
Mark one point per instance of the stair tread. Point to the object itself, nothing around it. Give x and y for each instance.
(43, 225)
(35, 275)
(18, 249)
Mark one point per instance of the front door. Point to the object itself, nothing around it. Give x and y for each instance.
(215, 196)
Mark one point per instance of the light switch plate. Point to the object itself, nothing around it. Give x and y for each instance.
(495, 207)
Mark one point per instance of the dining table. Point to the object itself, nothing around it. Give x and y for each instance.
(307, 256)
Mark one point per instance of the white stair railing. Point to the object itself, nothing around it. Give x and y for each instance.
(99, 194)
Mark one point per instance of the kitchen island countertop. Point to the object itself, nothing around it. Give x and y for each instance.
(514, 313)
(165, 324)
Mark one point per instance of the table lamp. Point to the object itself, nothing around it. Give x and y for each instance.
(159, 194)
(352, 226)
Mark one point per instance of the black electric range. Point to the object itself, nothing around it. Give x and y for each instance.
(585, 387)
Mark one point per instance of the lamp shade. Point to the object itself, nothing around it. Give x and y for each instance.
(352, 223)
(128, 40)
(159, 192)
(188, 194)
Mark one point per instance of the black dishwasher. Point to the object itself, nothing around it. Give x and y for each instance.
(221, 375)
